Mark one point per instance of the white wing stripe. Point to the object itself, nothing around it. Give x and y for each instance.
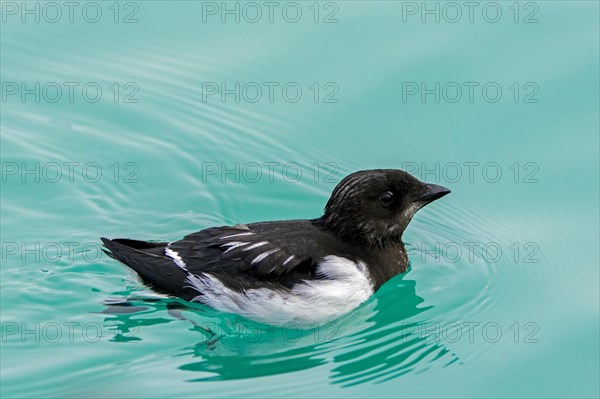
(233, 245)
(263, 255)
(176, 258)
(235, 235)
(258, 244)
(288, 260)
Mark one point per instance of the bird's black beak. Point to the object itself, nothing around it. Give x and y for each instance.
(433, 192)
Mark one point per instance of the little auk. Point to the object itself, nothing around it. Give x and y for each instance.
(302, 271)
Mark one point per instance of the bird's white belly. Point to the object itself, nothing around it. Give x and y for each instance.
(344, 286)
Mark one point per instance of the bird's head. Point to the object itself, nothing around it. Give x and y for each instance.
(374, 207)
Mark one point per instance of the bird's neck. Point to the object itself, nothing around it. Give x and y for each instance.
(359, 234)
(389, 262)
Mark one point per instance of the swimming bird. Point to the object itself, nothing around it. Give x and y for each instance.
(303, 271)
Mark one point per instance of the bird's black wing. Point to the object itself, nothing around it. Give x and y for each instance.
(258, 249)
(276, 254)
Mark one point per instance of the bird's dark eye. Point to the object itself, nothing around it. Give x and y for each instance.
(386, 198)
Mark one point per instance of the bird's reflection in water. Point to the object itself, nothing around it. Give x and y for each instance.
(374, 343)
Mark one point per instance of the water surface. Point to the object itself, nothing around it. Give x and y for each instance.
(501, 299)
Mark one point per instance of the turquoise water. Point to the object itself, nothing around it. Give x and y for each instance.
(153, 119)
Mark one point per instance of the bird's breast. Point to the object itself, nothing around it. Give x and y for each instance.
(339, 287)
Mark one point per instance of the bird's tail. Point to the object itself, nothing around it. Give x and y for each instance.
(148, 259)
